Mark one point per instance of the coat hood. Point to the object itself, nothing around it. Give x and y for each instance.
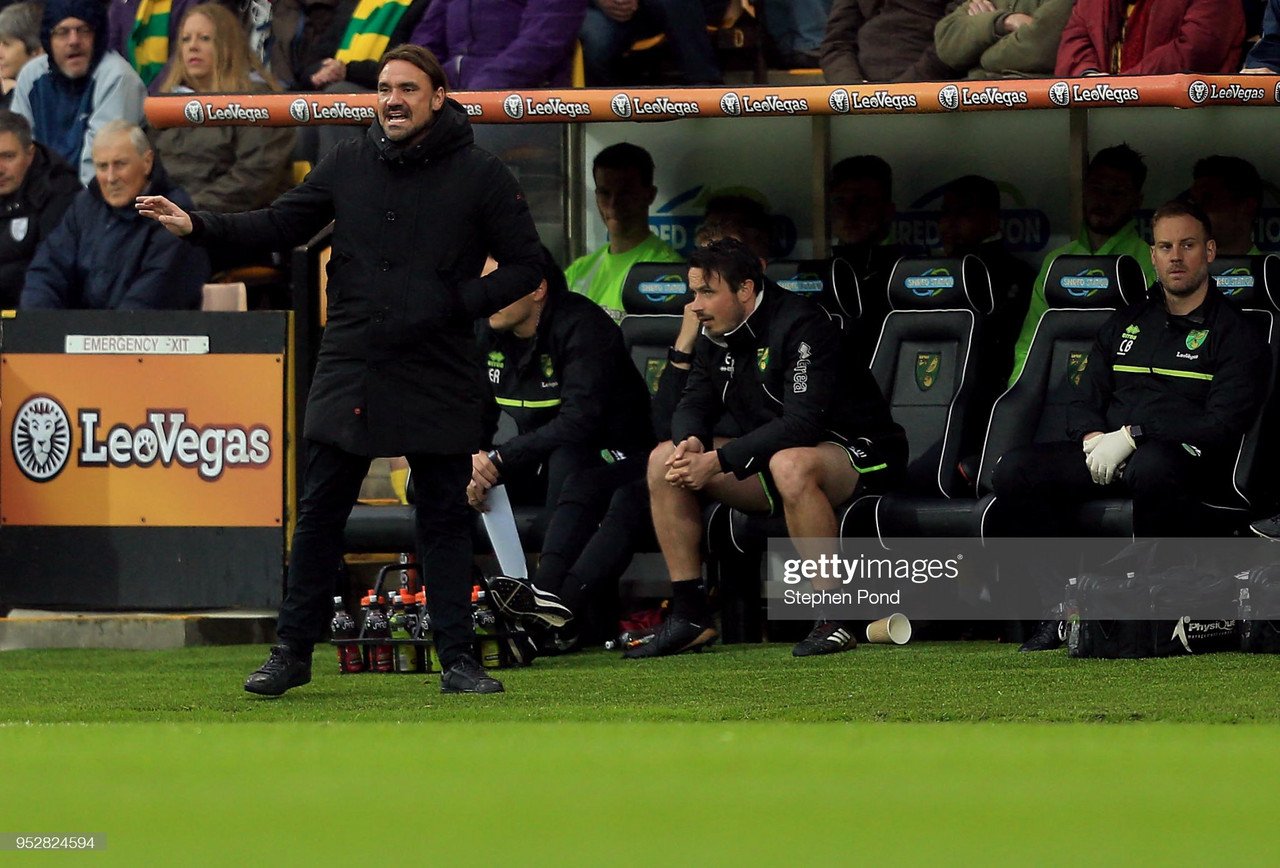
(450, 131)
(91, 12)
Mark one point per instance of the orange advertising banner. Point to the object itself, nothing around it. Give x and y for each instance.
(142, 441)
(583, 105)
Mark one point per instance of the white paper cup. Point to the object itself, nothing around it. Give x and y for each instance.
(893, 630)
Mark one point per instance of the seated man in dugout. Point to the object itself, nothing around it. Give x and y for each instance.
(557, 366)
(1169, 387)
(104, 255)
(816, 430)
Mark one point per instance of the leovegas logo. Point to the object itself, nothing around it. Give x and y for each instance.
(167, 438)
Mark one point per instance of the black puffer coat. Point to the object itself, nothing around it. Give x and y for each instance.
(399, 371)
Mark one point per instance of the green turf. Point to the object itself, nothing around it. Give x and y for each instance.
(741, 756)
(925, 682)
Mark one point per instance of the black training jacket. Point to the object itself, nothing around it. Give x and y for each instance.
(571, 384)
(787, 378)
(1198, 379)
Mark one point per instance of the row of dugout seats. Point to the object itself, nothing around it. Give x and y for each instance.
(942, 371)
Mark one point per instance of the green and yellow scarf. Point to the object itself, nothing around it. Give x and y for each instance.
(370, 29)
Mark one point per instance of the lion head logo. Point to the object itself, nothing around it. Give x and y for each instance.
(1060, 94)
(621, 105)
(513, 106)
(949, 97)
(839, 101)
(1198, 91)
(731, 105)
(193, 112)
(41, 438)
(300, 111)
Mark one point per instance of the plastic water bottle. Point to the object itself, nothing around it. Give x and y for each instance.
(403, 636)
(486, 625)
(344, 633)
(376, 626)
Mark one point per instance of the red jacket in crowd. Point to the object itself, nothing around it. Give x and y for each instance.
(1160, 36)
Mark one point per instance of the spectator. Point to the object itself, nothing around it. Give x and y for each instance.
(104, 255)
(77, 86)
(884, 40)
(223, 169)
(19, 42)
(970, 224)
(611, 26)
(1171, 385)
(829, 436)
(1151, 37)
(344, 59)
(862, 213)
(359, 33)
(143, 33)
(558, 367)
(1264, 57)
(1002, 38)
(1112, 195)
(1230, 192)
(36, 188)
(623, 175)
(501, 44)
(796, 28)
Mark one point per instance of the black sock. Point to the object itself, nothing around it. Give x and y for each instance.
(689, 601)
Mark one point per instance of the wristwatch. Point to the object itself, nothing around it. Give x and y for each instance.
(674, 355)
(1136, 432)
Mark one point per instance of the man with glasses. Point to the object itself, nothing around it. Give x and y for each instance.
(77, 86)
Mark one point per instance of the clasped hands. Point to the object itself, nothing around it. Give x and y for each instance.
(1105, 454)
(690, 466)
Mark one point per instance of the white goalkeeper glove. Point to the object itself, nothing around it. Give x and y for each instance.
(1108, 453)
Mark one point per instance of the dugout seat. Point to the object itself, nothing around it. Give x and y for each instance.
(830, 282)
(1082, 292)
(653, 298)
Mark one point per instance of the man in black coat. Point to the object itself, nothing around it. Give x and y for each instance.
(36, 188)
(416, 208)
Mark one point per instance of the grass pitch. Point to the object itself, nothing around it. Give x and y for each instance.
(927, 753)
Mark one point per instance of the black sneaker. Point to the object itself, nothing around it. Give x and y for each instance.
(468, 676)
(521, 599)
(1048, 636)
(283, 670)
(1267, 528)
(826, 637)
(676, 635)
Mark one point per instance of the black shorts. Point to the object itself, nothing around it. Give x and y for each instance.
(879, 469)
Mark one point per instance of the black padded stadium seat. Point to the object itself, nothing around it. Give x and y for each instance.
(1247, 280)
(1082, 292)
(653, 298)
(925, 362)
(1252, 284)
(830, 282)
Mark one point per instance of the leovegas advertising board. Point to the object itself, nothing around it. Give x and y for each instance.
(596, 105)
(141, 440)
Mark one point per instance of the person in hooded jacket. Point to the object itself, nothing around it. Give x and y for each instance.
(104, 255)
(77, 86)
(36, 188)
(416, 207)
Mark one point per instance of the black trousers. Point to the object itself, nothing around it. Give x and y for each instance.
(1165, 481)
(443, 522)
(600, 521)
(542, 484)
